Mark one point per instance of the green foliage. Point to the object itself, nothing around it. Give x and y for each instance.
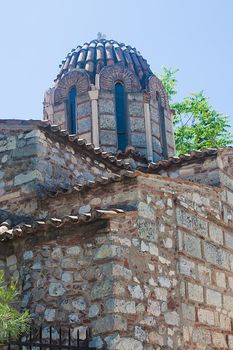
(168, 78)
(197, 125)
(11, 320)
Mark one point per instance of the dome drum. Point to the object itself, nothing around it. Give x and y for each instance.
(106, 93)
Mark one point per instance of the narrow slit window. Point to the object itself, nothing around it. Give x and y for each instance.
(71, 111)
(121, 116)
(163, 137)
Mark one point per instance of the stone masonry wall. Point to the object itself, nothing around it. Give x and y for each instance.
(157, 277)
(32, 163)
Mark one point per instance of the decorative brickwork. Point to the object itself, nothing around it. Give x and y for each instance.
(109, 75)
(78, 78)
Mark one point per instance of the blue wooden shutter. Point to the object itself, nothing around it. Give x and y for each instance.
(71, 111)
(121, 116)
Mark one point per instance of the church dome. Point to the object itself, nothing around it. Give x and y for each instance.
(96, 54)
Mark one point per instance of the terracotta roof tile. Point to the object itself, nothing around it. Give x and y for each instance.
(100, 181)
(183, 158)
(96, 54)
(82, 145)
(7, 232)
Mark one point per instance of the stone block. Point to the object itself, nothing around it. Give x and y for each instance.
(129, 344)
(138, 139)
(220, 279)
(120, 306)
(79, 304)
(188, 312)
(102, 289)
(192, 245)
(140, 334)
(109, 323)
(93, 311)
(50, 315)
(161, 293)
(228, 240)
(215, 255)
(83, 110)
(96, 343)
(219, 340)
(137, 124)
(164, 281)
(136, 108)
(228, 302)
(105, 251)
(230, 341)
(73, 251)
(68, 263)
(172, 318)
(147, 230)
(213, 297)
(153, 308)
(107, 121)
(224, 322)
(204, 274)
(121, 271)
(191, 222)
(108, 137)
(216, 234)
(206, 317)
(84, 125)
(11, 260)
(29, 176)
(136, 292)
(106, 106)
(146, 211)
(195, 292)
(56, 289)
(9, 144)
(201, 336)
(186, 267)
(67, 277)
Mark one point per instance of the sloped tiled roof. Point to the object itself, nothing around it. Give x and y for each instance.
(82, 145)
(99, 181)
(96, 54)
(7, 232)
(181, 159)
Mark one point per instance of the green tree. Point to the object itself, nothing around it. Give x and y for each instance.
(11, 320)
(197, 125)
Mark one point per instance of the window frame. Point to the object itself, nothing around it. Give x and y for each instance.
(125, 128)
(71, 117)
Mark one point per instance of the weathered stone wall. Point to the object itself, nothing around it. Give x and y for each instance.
(158, 277)
(32, 163)
(156, 130)
(213, 169)
(137, 123)
(107, 121)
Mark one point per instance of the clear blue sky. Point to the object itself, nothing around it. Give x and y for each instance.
(193, 35)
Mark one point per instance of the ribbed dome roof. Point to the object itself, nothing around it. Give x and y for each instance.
(93, 56)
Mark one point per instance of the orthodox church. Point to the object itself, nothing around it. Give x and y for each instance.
(103, 226)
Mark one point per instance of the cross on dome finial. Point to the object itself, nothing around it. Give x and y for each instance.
(101, 36)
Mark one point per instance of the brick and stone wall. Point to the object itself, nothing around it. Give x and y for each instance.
(33, 163)
(157, 277)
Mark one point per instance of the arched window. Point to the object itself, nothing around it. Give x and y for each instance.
(163, 137)
(71, 111)
(121, 116)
